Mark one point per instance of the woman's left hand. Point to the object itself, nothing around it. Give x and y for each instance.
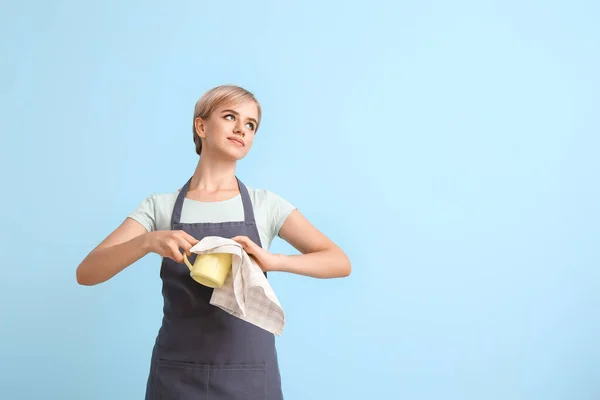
(265, 260)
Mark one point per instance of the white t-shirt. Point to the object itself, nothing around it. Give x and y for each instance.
(270, 212)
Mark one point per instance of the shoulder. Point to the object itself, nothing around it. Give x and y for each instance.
(164, 198)
(264, 197)
(155, 210)
(271, 208)
(159, 201)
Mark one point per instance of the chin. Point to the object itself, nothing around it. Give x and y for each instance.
(235, 155)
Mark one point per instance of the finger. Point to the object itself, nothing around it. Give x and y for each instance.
(176, 254)
(247, 244)
(243, 240)
(184, 244)
(189, 238)
(241, 243)
(184, 241)
(250, 243)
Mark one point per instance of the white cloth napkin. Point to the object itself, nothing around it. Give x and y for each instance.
(246, 293)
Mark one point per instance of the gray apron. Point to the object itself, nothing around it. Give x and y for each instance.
(202, 352)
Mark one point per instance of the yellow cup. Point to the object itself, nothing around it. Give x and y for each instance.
(210, 269)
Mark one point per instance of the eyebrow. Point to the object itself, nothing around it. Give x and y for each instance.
(236, 113)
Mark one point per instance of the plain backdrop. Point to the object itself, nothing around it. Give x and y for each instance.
(451, 148)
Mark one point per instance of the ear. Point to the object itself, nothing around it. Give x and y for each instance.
(200, 127)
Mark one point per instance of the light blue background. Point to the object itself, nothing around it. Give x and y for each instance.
(451, 148)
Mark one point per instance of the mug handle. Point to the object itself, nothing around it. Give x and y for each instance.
(187, 262)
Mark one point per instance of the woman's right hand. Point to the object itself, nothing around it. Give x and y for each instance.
(167, 243)
(126, 245)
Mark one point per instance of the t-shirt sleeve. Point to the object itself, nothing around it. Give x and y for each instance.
(145, 213)
(278, 211)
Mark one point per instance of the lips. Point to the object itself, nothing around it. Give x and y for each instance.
(236, 140)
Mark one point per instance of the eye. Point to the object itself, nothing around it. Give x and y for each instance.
(231, 117)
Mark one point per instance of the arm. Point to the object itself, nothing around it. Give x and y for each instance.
(320, 258)
(126, 245)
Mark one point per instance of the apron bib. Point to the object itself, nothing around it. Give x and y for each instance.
(202, 352)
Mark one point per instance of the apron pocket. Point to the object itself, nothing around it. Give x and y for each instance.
(180, 380)
(237, 382)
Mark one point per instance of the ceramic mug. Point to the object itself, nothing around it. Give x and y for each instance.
(210, 269)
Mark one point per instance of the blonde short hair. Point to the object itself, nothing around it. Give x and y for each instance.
(218, 97)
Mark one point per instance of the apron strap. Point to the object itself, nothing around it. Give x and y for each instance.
(176, 216)
(247, 203)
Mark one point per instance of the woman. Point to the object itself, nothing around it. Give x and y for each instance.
(201, 351)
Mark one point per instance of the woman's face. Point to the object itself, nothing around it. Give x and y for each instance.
(229, 131)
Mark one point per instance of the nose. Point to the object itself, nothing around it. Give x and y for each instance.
(238, 129)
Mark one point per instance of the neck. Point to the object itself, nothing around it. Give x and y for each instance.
(212, 175)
